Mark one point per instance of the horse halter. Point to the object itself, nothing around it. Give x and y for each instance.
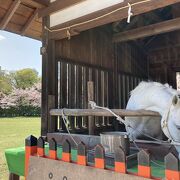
(165, 128)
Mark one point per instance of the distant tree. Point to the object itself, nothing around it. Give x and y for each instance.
(5, 83)
(25, 78)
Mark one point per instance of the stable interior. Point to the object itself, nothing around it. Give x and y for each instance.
(116, 57)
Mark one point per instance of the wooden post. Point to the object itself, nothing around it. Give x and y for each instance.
(66, 154)
(30, 149)
(40, 147)
(91, 120)
(49, 81)
(172, 167)
(144, 168)
(81, 158)
(51, 120)
(99, 157)
(52, 149)
(13, 176)
(120, 160)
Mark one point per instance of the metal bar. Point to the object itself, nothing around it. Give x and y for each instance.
(91, 120)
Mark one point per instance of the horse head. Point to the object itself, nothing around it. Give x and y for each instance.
(173, 120)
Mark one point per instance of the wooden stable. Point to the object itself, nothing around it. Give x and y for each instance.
(107, 51)
(96, 44)
(90, 52)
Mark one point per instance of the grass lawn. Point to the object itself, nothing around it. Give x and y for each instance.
(13, 132)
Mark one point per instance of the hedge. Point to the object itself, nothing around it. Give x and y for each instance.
(20, 111)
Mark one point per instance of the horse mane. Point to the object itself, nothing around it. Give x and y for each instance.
(156, 85)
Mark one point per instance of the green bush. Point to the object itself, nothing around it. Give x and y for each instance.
(20, 111)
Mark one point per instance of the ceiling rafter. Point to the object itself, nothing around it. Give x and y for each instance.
(35, 3)
(14, 6)
(29, 22)
(146, 31)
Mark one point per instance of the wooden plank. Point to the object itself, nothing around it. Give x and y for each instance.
(119, 15)
(100, 112)
(52, 80)
(52, 124)
(65, 170)
(9, 14)
(57, 6)
(81, 9)
(154, 29)
(29, 22)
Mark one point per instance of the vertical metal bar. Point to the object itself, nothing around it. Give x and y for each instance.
(103, 94)
(91, 122)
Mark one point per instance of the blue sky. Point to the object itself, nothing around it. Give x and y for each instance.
(17, 52)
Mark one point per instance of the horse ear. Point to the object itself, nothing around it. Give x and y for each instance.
(175, 100)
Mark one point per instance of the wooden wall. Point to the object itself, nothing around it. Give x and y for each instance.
(163, 56)
(131, 59)
(115, 69)
(95, 47)
(92, 47)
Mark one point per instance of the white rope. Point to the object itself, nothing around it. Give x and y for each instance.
(129, 6)
(129, 13)
(94, 106)
(66, 122)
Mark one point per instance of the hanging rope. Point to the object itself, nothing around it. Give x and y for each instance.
(129, 13)
(68, 34)
(66, 122)
(94, 106)
(129, 7)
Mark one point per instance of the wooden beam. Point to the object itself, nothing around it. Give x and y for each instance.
(9, 14)
(81, 9)
(119, 15)
(146, 31)
(100, 112)
(43, 2)
(57, 6)
(35, 3)
(29, 22)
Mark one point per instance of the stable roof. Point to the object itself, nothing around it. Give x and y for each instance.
(24, 17)
(20, 16)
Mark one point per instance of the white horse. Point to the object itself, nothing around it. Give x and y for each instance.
(155, 97)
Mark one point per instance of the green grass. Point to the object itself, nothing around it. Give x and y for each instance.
(13, 131)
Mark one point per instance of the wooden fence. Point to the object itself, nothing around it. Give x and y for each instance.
(36, 147)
